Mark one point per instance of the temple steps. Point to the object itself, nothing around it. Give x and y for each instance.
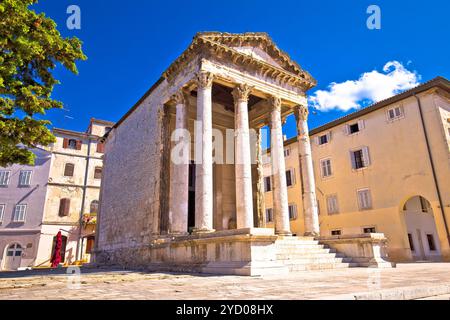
(305, 253)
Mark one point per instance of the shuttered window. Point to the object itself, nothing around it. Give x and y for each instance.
(100, 147)
(72, 144)
(332, 204)
(64, 207)
(269, 215)
(267, 184)
(69, 169)
(325, 167)
(364, 199)
(290, 177)
(292, 212)
(360, 158)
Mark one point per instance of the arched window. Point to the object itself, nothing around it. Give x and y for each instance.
(69, 169)
(14, 250)
(94, 206)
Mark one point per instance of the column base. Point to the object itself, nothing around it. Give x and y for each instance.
(311, 234)
(283, 233)
(198, 230)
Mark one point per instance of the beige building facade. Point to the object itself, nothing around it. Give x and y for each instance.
(72, 197)
(383, 169)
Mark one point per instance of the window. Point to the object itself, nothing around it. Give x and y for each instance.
(4, 178)
(69, 169)
(369, 230)
(423, 204)
(64, 207)
(354, 127)
(325, 166)
(332, 204)
(98, 173)
(267, 184)
(411, 242)
(431, 243)
(100, 147)
(360, 158)
(2, 211)
(290, 177)
(20, 212)
(364, 199)
(25, 178)
(336, 232)
(94, 206)
(287, 152)
(269, 215)
(395, 113)
(323, 139)
(71, 144)
(292, 212)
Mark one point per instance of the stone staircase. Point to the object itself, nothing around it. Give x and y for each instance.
(305, 253)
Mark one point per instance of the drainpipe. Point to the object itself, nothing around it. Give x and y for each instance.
(83, 200)
(433, 170)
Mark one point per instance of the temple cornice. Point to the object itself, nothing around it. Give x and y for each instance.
(204, 46)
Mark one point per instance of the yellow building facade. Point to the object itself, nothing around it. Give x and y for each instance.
(382, 169)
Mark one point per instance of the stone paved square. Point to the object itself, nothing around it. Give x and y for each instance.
(112, 284)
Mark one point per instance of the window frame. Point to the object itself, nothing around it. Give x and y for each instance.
(361, 208)
(331, 196)
(365, 158)
(334, 230)
(65, 168)
(291, 172)
(396, 117)
(432, 247)
(369, 227)
(295, 212)
(29, 178)
(268, 178)
(267, 215)
(2, 211)
(7, 173)
(24, 213)
(329, 168)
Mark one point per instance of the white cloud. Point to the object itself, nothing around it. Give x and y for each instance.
(371, 86)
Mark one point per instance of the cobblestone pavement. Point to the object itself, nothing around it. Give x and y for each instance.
(121, 284)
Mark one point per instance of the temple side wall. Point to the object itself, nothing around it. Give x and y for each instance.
(129, 211)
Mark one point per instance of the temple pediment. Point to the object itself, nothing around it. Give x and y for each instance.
(247, 49)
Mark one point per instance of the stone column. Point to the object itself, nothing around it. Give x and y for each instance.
(204, 167)
(311, 216)
(243, 168)
(179, 184)
(260, 183)
(280, 197)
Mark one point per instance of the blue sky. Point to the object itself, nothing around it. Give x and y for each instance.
(129, 46)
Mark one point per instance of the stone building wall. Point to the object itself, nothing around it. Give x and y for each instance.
(130, 193)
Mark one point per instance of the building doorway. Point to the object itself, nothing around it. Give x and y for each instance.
(191, 199)
(13, 257)
(63, 248)
(422, 234)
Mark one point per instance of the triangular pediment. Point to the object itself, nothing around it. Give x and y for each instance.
(258, 45)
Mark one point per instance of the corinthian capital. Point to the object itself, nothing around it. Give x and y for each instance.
(181, 97)
(204, 79)
(275, 103)
(301, 113)
(241, 92)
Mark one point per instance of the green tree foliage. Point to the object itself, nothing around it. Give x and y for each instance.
(30, 49)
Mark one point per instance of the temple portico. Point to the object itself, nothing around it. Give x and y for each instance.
(196, 202)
